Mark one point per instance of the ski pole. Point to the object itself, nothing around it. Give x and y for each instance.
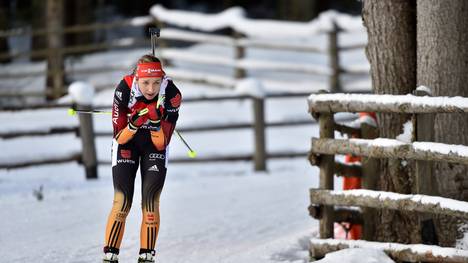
(72, 112)
(154, 34)
(191, 153)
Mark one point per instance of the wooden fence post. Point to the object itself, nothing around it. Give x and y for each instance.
(259, 130)
(425, 181)
(54, 22)
(333, 53)
(82, 94)
(239, 53)
(327, 164)
(370, 177)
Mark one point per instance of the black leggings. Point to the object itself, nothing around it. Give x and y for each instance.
(125, 161)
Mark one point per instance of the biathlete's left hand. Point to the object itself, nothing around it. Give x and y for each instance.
(154, 116)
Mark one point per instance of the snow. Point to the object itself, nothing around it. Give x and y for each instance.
(234, 17)
(407, 134)
(355, 255)
(252, 87)
(425, 89)
(442, 148)
(462, 243)
(455, 104)
(380, 142)
(257, 217)
(141, 20)
(198, 21)
(81, 92)
(418, 248)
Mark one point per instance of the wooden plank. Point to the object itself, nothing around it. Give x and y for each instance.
(370, 178)
(386, 103)
(46, 161)
(334, 57)
(348, 170)
(327, 165)
(341, 214)
(88, 143)
(386, 200)
(400, 150)
(351, 131)
(50, 131)
(259, 135)
(131, 22)
(400, 252)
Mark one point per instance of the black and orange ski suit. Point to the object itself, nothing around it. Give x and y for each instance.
(131, 149)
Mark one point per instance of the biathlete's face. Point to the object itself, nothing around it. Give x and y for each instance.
(149, 87)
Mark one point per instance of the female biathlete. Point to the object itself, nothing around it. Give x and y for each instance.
(144, 115)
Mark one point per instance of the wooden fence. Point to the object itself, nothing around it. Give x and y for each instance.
(259, 157)
(239, 63)
(324, 199)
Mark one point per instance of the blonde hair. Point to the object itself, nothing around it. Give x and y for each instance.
(144, 59)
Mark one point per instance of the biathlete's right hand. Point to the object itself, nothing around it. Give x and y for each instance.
(137, 119)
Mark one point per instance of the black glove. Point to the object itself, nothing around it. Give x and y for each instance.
(137, 119)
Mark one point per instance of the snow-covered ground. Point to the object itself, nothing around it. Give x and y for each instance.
(210, 213)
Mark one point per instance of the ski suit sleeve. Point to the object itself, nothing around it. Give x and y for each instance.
(122, 132)
(172, 106)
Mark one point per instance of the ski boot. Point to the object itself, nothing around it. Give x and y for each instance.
(110, 258)
(147, 257)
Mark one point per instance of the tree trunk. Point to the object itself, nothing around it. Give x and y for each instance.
(391, 50)
(38, 22)
(443, 66)
(300, 10)
(79, 13)
(55, 63)
(4, 24)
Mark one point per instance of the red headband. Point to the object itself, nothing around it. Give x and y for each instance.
(149, 70)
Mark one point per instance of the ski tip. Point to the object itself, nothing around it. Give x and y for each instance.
(192, 154)
(71, 112)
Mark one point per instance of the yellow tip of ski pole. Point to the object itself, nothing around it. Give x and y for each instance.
(71, 112)
(143, 112)
(192, 154)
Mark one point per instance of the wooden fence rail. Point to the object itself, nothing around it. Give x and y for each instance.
(389, 148)
(386, 103)
(400, 252)
(386, 200)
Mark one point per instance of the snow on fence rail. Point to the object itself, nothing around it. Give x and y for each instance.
(386, 200)
(323, 200)
(257, 34)
(390, 148)
(401, 252)
(386, 103)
